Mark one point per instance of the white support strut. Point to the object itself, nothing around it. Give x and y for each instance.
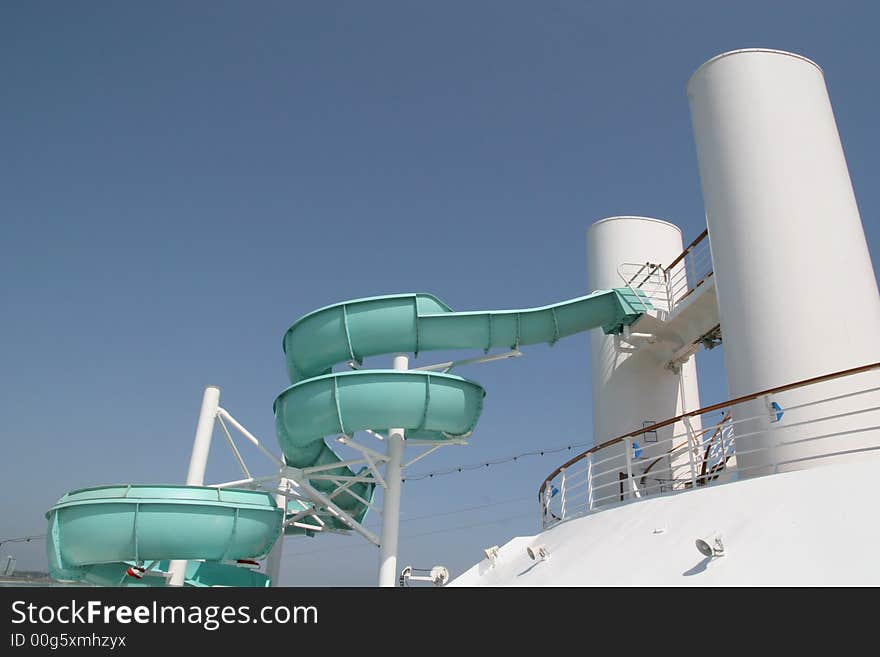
(319, 497)
(391, 503)
(273, 561)
(247, 434)
(198, 463)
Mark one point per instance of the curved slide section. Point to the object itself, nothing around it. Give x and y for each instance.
(95, 534)
(428, 405)
(354, 330)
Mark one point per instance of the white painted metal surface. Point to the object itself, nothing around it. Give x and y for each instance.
(630, 389)
(198, 462)
(692, 318)
(273, 560)
(817, 532)
(574, 488)
(795, 285)
(391, 504)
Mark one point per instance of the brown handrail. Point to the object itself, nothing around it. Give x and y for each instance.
(696, 285)
(689, 248)
(707, 409)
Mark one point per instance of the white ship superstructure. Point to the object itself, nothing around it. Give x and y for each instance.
(783, 277)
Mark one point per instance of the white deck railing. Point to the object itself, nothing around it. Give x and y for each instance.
(690, 457)
(667, 286)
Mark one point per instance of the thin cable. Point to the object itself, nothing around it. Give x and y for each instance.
(22, 539)
(465, 510)
(491, 462)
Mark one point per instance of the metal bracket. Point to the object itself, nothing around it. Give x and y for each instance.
(448, 365)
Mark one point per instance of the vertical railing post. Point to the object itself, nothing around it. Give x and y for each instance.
(590, 482)
(689, 430)
(548, 498)
(562, 494)
(629, 468)
(690, 273)
(542, 514)
(273, 560)
(771, 434)
(726, 442)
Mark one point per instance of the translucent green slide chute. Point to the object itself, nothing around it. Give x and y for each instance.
(428, 405)
(95, 534)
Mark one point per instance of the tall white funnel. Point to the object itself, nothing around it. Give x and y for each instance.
(796, 290)
(632, 389)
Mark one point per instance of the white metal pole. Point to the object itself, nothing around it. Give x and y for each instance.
(590, 482)
(629, 467)
(548, 499)
(273, 561)
(391, 505)
(198, 463)
(691, 447)
(773, 439)
(562, 493)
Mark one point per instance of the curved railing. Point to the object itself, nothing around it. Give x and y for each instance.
(703, 453)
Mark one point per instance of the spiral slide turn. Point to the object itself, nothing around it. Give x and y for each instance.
(428, 405)
(126, 535)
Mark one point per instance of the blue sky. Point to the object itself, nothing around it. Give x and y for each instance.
(180, 181)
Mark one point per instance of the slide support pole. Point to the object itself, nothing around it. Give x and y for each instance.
(391, 505)
(198, 463)
(273, 561)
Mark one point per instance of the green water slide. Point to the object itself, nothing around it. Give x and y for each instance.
(97, 534)
(126, 535)
(432, 406)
